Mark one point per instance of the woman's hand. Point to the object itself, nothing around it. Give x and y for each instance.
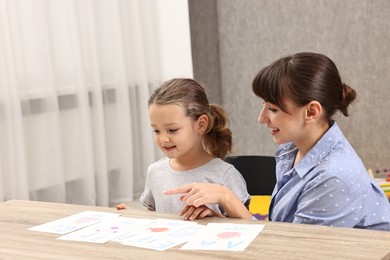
(192, 213)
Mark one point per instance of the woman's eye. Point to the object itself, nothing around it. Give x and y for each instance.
(268, 106)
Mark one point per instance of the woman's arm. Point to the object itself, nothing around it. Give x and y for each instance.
(198, 194)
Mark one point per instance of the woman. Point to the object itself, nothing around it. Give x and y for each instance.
(320, 178)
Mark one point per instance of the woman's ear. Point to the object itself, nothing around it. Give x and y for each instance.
(313, 110)
(202, 123)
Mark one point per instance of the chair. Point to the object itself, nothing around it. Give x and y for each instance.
(259, 174)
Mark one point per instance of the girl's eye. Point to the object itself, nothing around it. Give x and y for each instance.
(173, 130)
(156, 131)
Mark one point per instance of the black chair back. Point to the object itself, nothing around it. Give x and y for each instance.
(258, 172)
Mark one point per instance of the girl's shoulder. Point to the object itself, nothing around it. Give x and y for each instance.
(221, 166)
(163, 162)
(218, 162)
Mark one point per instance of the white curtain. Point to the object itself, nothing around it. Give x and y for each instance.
(75, 76)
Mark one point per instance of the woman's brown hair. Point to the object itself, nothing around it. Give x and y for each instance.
(304, 77)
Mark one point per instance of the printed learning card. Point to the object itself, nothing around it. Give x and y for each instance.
(106, 230)
(158, 229)
(173, 239)
(224, 236)
(73, 222)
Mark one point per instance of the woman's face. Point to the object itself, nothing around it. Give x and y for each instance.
(285, 127)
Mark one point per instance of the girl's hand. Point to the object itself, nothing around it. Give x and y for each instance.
(192, 213)
(121, 206)
(198, 194)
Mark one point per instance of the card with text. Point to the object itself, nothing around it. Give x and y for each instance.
(158, 229)
(73, 222)
(173, 239)
(224, 236)
(106, 230)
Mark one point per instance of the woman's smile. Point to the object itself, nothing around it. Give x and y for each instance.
(274, 131)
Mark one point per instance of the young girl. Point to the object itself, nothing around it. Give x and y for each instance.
(320, 178)
(195, 138)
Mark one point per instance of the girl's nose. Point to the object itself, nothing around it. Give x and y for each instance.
(164, 139)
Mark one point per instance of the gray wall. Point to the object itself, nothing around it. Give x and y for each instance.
(205, 46)
(238, 37)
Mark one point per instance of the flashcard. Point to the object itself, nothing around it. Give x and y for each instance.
(73, 222)
(224, 236)
(159, 228)
(173, 239)
(106, 230)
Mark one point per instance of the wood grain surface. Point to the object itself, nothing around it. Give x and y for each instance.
(276, 241)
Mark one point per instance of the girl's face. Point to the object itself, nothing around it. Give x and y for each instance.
(285, 127)
(176, 134)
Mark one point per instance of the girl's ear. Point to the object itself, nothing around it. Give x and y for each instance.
(203, 122)
(313, 110)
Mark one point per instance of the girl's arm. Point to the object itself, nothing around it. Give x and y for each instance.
(197, 194)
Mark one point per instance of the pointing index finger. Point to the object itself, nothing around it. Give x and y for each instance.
(179, 190)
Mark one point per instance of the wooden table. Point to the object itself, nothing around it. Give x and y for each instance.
(276, 241)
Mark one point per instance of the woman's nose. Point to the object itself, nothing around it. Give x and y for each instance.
(263, 118)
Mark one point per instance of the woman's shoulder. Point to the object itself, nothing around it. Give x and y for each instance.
(342, 165)
(343, 155)
(335, 151)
